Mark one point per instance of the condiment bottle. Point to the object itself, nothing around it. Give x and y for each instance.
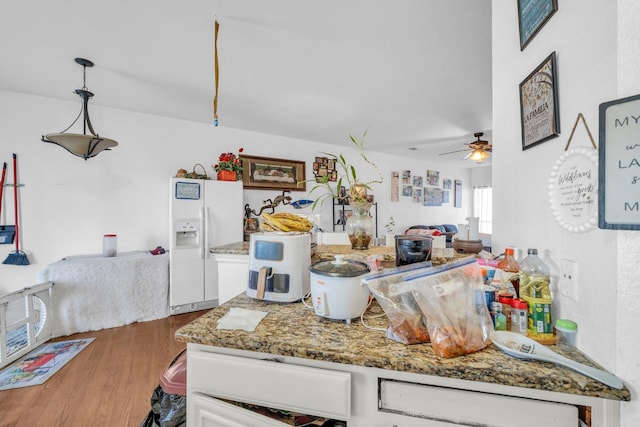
(499, 319)
(509, 269)
(519, 316)
(534, 289)
(505, 301)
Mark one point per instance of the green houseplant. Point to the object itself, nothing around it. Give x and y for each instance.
(360, 226)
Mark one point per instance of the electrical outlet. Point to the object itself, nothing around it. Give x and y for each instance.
(569, 279)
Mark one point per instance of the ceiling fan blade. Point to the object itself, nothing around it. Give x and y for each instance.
(451, 152)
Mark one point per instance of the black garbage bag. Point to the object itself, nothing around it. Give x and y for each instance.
(167, 410)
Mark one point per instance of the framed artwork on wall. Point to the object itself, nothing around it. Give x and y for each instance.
(433, 178)
(619, 165)
(266, 173)
(446, 184)
(432, 196)
(539, 115)
(457, 194)
(532, 15)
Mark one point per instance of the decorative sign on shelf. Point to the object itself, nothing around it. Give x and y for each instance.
(619, 193)
(573, 185)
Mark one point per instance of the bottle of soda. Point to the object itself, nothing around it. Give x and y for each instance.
(534, 289)
(508, 270)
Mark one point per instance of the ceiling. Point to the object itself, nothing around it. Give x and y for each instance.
(416, 73)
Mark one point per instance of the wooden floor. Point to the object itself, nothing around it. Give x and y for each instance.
(109, 383)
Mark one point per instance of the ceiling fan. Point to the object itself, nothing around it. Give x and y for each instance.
(478, 150)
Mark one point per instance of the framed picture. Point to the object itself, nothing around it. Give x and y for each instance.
(532, 15)
(433, 177)
(446, 184)
(324, 166)
(457, 194)
(265, 173)
(432, 196)
(619, 165)
(539, 114)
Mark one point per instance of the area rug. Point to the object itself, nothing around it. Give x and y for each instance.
(38, 366)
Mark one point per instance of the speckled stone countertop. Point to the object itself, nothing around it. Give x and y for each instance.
(294, 330)
(327, 252)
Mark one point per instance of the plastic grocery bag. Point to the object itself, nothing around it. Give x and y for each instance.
(452, 299)
(407, 324)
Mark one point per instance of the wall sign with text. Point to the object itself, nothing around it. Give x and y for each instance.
(573, 189)
(619, 175)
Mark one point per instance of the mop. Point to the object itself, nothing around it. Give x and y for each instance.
(16, 257)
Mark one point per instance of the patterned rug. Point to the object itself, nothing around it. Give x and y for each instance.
(38, 366)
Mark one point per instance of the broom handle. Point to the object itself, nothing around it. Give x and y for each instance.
(4, 173)
(15, 198)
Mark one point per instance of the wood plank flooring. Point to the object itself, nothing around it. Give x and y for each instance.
(108, 384)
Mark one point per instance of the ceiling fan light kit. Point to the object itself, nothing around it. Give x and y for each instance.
(480, 149)
(82, 145)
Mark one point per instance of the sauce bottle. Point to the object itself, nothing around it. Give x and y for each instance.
(509, 271)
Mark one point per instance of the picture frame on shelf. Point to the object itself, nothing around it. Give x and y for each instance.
(532, 16)
(539, 107)
(267, 173)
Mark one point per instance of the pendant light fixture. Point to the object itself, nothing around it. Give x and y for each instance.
(82, 145)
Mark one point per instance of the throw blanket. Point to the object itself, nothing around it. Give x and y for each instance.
(93, 292)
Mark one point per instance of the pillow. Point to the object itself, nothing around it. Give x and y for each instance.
(439, 228)
(450, 228)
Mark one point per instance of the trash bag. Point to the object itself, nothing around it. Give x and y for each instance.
(167, 410)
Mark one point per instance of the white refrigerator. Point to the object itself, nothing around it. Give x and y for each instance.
(203, 214)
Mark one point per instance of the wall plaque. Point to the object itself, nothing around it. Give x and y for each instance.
(619, 176)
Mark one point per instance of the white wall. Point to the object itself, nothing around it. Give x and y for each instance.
(590, 69)
(67, 203)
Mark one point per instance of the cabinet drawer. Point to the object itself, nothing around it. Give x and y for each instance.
(266, 383)
(475, 408)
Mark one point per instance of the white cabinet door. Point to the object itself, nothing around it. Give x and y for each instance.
(205, 411)
(462, 407)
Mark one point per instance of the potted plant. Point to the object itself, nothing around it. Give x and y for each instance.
(229, 167)
(389, 237)
(360, 226)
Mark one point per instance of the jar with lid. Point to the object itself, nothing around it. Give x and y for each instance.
(509, 269)
(534, 289)
(566, 331)
(505, 301)
(499, 319)
(109, 245)
(519, 316)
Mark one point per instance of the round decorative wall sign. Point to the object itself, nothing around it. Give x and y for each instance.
(573, 190)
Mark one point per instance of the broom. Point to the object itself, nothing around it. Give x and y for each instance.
(16, 257)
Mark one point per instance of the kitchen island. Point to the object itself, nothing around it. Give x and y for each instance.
(298, 361)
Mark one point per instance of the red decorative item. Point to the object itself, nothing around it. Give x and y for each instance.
(225, 175)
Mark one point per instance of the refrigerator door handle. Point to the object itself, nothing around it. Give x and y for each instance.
(205, 246)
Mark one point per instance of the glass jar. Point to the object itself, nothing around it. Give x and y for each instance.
(360, 226)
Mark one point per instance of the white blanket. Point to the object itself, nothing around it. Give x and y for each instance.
(93, 292)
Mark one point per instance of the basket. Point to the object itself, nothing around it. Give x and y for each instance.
(196, 175)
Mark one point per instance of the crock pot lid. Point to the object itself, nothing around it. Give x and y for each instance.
(340, 267)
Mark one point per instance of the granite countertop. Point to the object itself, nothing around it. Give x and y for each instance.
(294, 330)
(327, 252)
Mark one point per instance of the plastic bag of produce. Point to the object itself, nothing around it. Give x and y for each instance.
(452, 299)
(407, 324)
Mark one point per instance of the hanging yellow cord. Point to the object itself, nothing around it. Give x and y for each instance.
(215, 97)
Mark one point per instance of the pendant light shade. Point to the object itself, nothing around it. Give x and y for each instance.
(478, 155)
(85, 145)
